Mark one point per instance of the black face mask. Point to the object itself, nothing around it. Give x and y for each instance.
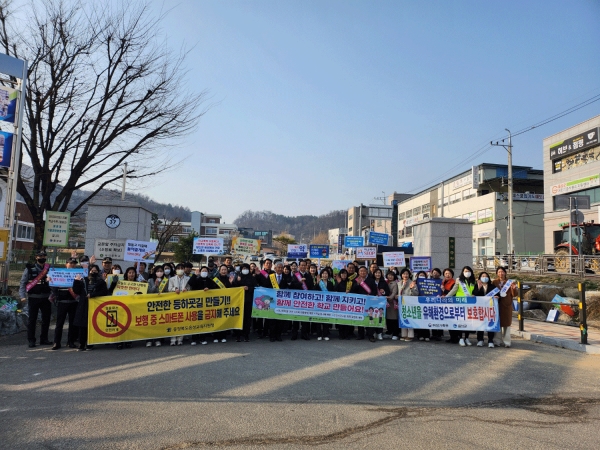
(41, 260)
(94, 274)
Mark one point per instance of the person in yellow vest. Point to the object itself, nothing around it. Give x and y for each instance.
(223, 280)
(464, 287)
(157, 285)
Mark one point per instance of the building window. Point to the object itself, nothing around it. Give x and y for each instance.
(211, 230)
(486, 247)
(469, 193)
(187, 229)
(594, 194)
(408, 231)
(350, 229)
(174, 239)
(426, 208)
(227, 232)
(350, 216)
(409, 213)
(212, 221)
(401, 216)
(416, 210)
(25, 232)
(455, 198)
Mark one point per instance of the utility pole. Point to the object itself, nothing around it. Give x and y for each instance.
(509, 222)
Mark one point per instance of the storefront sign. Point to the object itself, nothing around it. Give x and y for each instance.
(574, 144)
(576, 185)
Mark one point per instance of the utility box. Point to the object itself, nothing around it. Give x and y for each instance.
(449, 242)
(109, 224)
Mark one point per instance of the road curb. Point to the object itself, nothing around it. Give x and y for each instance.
(562, 343)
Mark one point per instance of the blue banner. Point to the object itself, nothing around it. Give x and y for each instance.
(429, 287)
(320, 307)
(354, 241)
(450, 313)
(64, 278)
(5, 148)
(378, 238)
(319, 251)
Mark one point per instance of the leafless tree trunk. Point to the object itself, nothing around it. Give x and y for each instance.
(103, 89)
(163, 230)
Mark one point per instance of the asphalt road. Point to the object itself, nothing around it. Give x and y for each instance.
(288, 395)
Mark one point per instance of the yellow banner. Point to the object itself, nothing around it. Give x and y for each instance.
(149, 316)
(130, 288)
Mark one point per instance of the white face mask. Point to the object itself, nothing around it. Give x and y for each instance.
(484, 279)
(204, 274)
(159, 274)
(245, 271)
(467, 274)
(116, 271)
(179, 272)
(237, 268)
(167, 271)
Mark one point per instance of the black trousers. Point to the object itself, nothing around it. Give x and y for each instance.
(83, 336)
(62, 310)
(392, 327)
(247, 323)
(361, 332)
(323, 329)
(491, 335)
(35, 306)
(304, 328)
(275, 327)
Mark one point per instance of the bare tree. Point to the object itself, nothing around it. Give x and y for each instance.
(163, 230)
(103, 89)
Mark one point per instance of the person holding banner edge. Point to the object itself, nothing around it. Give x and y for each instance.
(391, 315)
(35, 290)
(66, 304)
(177, 284)
(383, 289)
(248, 282)
(94, 285)
(224, 280)
(407, 287)
(344, 285)
(366, 286)
(508, 290)
(464, 287)
(485, 288)
(326, 285)
(307, 283)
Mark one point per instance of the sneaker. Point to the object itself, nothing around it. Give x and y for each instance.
(193, 343)
(468, 342)
(426, 339)
(394, 338)
(506, 346)
(204, 342)
(149, 344)
(480, 344)
(223, 340)
(490, 345)
(180, 341)
(325, 338)
(461, 343)
(173, 342)
(421, 338)
(216, 341)
(380, 337)
(319, 338)
(157, 343)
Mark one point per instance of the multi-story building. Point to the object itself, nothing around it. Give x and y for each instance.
(23, 229)
(571, 167)
(378, 218)
(480, 195)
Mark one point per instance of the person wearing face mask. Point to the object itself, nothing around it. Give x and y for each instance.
(344, 285)
(408, 287)
(178, 283)
(85, 288)
(224, 280)
(307, 283)
(366, 286)
(383, 289)
(157, 284)
(246, 280)
(35, 290)
(202, 282)
(484, 287)
(436, 335)
(326, 285)
(421, 333)
(66, 304)
(508, 290)
(464, 287)
(168, 270)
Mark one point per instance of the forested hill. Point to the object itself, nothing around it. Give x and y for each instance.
(294, 225)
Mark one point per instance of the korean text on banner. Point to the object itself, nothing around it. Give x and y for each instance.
(56, 229)
(354, 241)
(112, 248)
(366, 252)
(393, 259)
(378, 238)
(207, 246)
(320, 307)
(319, 251)
(130, 288)
(297, 251)
(450, 313)
(244, 246)
(418, 263)
(429, 286)
(64, 277)
(140, 251)
(152, 316)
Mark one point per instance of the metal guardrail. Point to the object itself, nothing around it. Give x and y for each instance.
(583, 328)
(582, 266)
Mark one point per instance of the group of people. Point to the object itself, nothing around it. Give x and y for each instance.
(302, 275)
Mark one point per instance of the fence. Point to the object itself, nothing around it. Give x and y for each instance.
(582, 310)
(579, 265)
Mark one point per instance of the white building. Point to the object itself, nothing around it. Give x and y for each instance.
(480, 195)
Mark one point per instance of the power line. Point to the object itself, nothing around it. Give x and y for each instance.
(482, 150)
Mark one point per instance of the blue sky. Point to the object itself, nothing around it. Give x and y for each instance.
(321, 105)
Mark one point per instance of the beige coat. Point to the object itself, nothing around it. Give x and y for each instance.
(392, 301)
(505, 304)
